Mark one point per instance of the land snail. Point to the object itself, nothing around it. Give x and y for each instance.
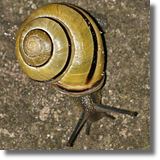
(62, 45)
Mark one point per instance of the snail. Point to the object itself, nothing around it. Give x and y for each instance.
(62, 45)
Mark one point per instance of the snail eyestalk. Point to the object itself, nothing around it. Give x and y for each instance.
(101, 108)
(80, 124)
(93, 111)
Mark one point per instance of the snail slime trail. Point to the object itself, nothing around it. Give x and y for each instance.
(51, 50)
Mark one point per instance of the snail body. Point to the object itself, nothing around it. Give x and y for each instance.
(61, 44)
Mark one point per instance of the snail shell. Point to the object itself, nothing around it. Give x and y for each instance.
(61, 44)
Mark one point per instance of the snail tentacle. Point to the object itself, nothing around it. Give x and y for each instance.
(89, 122)
(102, 108)
(77, 129)
(93, 111)
(109, 116)
(88, 126)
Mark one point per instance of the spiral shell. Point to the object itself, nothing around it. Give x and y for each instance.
(61, 44)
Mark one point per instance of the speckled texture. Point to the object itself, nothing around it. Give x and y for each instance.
(33, 116)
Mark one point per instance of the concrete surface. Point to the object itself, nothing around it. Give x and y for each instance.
(33, 116)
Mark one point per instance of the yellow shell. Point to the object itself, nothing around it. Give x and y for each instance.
(61, 44)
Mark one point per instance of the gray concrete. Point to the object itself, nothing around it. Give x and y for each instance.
(33, 116)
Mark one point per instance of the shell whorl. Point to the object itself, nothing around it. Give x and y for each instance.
(61, 44)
